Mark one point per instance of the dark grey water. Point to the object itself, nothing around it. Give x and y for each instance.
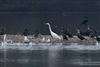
(49, 58)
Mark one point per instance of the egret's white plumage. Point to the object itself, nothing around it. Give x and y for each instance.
(5, 37)
(53, 34)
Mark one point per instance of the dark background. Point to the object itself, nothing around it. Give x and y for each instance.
(16, 15)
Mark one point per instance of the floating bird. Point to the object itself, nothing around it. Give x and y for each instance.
(97, 38)
(43, 39)
(48, 40)
(53, 34)
(26, 32)
(95, 35)
(68, 34)
(65, 37)
(79, 35)
(26, 40)
(88, 31)
(65, 33)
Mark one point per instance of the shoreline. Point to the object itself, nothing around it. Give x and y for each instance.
(44, 39)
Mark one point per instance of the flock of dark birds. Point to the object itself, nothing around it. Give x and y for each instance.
(80, 33)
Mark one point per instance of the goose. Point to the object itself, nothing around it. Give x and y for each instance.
(53, 34)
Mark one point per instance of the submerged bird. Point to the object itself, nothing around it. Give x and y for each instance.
(65, 34)
(53, 34)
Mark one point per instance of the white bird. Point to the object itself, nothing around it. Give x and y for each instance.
(4, 37)
(43, 39)
(48, 40)
(53, 34)
(26, 39)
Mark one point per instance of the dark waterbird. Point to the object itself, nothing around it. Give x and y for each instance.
(65, 37)
(89, 32)
(79, 35)
(26, 32)
(96, 35)
(65, 32)
(98, 38)
(85, 21)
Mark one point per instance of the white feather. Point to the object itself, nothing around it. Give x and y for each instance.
(53, 34)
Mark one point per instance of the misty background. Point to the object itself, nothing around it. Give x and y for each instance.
(16, 15)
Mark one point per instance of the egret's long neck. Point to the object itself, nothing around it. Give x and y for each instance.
(4, 37)
(50, 28)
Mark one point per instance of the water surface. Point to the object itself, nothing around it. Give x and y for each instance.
(51, 56)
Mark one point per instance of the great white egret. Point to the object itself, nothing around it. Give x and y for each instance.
(53, 34)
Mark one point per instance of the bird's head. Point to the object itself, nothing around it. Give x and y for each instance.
(47, 23)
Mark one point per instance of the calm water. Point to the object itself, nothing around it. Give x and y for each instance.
(50, 57)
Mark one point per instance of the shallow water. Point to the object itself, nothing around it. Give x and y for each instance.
(51, 56)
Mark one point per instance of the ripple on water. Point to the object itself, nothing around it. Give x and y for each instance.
(43, 46)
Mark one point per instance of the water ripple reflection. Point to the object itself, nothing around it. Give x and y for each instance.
(55, 56)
